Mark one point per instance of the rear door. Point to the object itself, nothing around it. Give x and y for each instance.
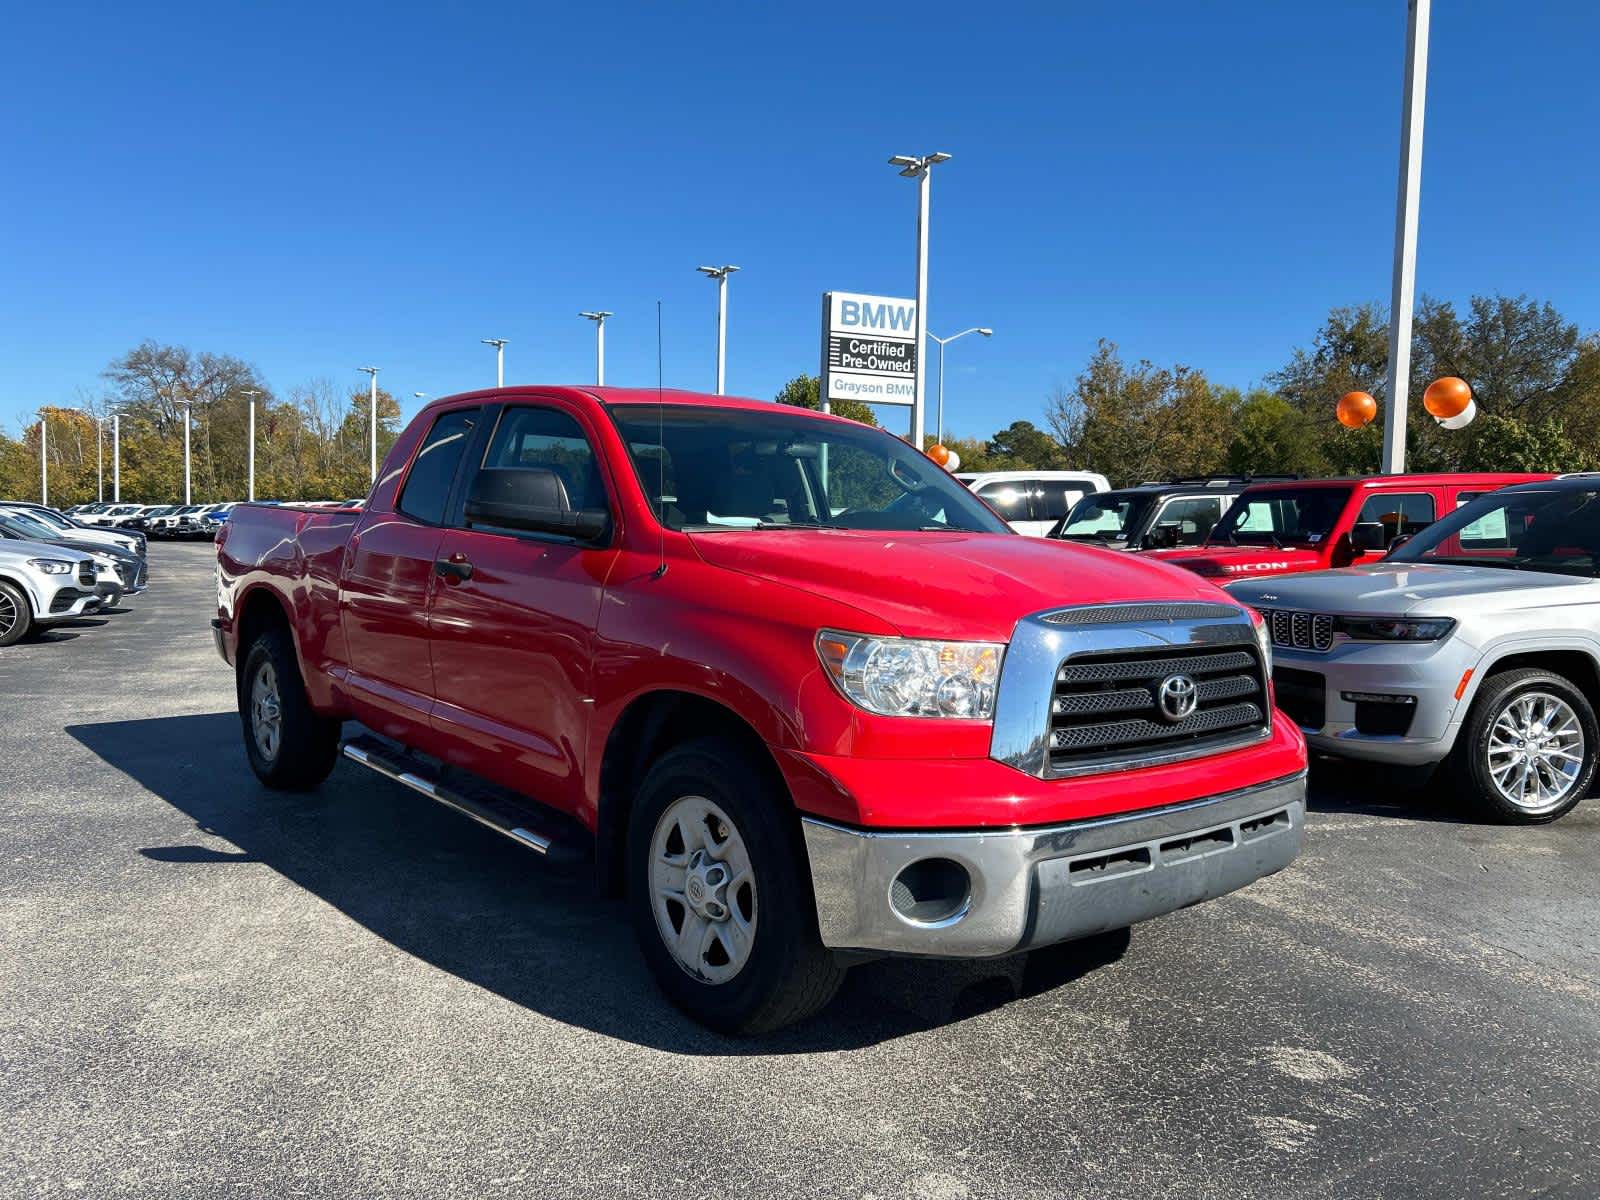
(514, 614)
(388, 580)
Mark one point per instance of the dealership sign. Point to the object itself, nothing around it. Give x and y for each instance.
(869, 348)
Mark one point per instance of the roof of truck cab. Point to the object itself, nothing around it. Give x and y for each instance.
(613, 397)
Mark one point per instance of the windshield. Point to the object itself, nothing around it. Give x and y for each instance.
(729, 469)
(25, 525)
(1105, 517)
(1555, 530)
(49, 518)
(1281, 517)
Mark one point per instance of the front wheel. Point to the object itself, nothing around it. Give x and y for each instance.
(16, 616)
(719, 895)
(1529, 746)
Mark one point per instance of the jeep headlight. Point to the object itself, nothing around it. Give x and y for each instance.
(51, 566)
(905, 677)
(1395, 629)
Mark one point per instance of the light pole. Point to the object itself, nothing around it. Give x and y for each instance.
(116, 456)
(499, 345)
(44, 460)
(372, 373)
(100, 459)
(188, 417)
(720, 274)
(420, 395)
(599, 319)
(920, 168)
(251, 487)
(1405, 236)
(943, 342)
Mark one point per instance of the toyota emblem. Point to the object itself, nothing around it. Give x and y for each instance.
(1177, 697)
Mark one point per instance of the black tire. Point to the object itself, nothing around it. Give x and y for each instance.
(1470, 759)
(788, 975)
(16, 614)
(307, 745)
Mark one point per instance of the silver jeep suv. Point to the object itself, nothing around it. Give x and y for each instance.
(1475, 644)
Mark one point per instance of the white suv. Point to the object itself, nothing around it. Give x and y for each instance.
(1031, 502)
(41, 584)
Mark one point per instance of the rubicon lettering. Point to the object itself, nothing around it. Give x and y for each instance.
(869, 348)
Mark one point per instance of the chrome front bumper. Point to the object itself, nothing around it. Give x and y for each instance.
(1034, 887)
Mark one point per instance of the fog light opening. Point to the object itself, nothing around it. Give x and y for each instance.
(932, 891)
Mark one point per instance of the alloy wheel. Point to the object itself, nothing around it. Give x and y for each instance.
(1536, 751)
(703, 890)
(266, 712)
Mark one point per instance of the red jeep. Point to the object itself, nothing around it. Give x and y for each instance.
(1313, 525)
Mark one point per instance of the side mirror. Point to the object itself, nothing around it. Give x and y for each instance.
(1400, 541)
(1369, 535)
(533, 499)
(1162, 537)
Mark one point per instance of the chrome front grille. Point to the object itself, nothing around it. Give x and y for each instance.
(1080, 690)
(1106, 707)
(1299, 630)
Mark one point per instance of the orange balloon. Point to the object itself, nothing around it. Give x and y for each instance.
(1447, 397)
(1356, 409)
(939, 454)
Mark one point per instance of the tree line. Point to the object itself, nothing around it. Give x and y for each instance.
(311, 441)
(1535, 376)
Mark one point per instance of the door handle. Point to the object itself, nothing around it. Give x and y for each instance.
(451, 569)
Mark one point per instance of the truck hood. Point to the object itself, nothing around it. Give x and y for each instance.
(1240, 562)
(963, 586)
(1399, 589)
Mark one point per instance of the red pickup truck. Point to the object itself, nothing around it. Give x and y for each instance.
(793, 688)
(1318, 524)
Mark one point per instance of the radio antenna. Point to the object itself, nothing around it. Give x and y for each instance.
(661, 451)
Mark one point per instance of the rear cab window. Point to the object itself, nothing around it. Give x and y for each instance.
(426, 493)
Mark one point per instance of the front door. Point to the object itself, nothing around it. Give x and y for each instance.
(388, 581)
(513, 619)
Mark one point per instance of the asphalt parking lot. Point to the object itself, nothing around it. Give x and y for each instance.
(208, 990)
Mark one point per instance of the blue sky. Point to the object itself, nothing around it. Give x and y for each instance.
(316, 187)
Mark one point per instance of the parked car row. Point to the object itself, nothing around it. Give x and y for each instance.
(178, 522)
(1417, 621)
(53, 569)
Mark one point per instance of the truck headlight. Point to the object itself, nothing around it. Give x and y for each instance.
(903, 677)
(51, 566)
(1395, 629)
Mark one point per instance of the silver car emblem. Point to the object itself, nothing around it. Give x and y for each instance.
(1177, 697)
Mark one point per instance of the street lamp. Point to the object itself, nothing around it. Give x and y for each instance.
(720, 274)
(1405, 236)
(44, 460)
(251, 489)
(920, 167)
(100, 458)
(943, 342)
(599, 319)
(420, 395)
(188, 418)
(116, 455)
(499, 345)
(372, 373)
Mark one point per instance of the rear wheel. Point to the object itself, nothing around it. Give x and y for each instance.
(289, 745)
(719, 894)
(1528, 750)
(16, 617)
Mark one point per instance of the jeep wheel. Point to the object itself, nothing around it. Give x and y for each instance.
(1528, 750)
(720, 896)
(289, 746)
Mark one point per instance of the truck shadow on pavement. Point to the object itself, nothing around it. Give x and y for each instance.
(469, 902)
